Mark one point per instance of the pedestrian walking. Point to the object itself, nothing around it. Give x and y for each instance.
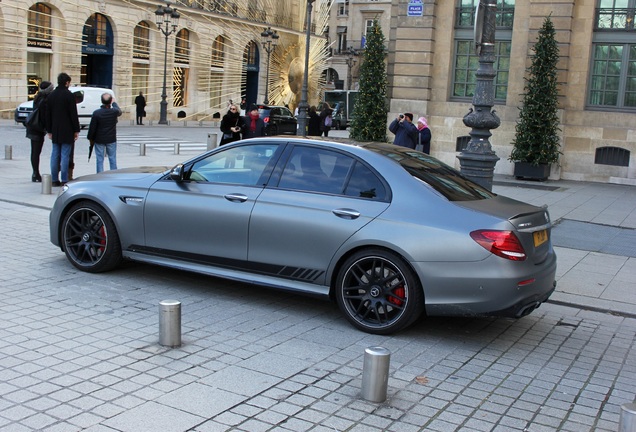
(325, 118)
(62, 125)
(404, 130)
(253, 124)
(102, 132)
(231, 125)
(423, 136)
(36, 130)
(313, 126)
(140, 103)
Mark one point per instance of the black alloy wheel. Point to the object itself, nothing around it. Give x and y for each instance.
(378, 292)
(89, 238)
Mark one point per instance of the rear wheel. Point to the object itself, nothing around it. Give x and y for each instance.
(90, 239)
(378, 292)
(273, 130)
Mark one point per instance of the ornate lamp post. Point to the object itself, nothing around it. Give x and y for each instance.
(303, 106)
(478, 159)
(269, 40)
(166, 17)
(351, 53)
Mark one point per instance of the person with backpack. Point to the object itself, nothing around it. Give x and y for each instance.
(325, 118)
(36, 128)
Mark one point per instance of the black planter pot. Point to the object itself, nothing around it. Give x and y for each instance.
(527, 171)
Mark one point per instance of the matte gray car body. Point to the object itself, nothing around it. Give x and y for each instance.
(281, 236)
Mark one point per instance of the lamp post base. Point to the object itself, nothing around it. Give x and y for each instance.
(478, 167)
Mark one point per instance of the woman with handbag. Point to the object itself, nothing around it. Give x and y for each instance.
(36, 128)
(231, 125)
(423, 136)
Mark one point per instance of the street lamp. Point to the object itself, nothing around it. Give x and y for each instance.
(269, 39)
(478, 160)
(166, 17)
(303, 106)
(351, 53)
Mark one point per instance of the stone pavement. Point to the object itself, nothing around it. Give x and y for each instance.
(79, 351)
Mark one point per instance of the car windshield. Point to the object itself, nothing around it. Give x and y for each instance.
(441, 177)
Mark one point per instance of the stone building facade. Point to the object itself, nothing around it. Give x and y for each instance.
(430, 59)
(215, 55)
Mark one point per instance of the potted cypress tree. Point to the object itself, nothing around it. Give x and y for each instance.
(537, 142)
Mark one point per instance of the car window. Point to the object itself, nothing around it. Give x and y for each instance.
(237, 165)
(319, 170)
(365, 184)
(285, 112)
(446, 180)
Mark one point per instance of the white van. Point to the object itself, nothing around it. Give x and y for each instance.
(88, 100)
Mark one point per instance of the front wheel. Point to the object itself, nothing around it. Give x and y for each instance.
(378, 292)
(90, 239)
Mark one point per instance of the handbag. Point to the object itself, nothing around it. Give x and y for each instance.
(419, 147)
(33, 121)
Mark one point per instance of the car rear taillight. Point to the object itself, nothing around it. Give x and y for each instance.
(266, 119)
(501, 243)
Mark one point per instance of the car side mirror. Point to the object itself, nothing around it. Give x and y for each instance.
(177, 173)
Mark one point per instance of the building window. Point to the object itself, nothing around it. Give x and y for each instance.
(218, 52)
(342, 39)
(182, 47)
(251, 51)
(613, 69)
(466, 60)
(343, 7)
(141, 41)
(615, 15)
(96, 30)
(39, 27)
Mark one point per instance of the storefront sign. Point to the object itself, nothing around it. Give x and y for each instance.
(39, 43)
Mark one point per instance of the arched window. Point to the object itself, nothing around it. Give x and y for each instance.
(141, 41)
(180, 72)
(96, 30)
(218, 52)
(39, 27)
(141, 58)
(251, 53)
(182, 47)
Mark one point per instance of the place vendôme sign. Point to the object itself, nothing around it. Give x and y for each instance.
(415, 8)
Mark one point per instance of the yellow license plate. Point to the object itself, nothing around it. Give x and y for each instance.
(540, 237)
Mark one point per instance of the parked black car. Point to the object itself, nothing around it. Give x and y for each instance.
(279, 120)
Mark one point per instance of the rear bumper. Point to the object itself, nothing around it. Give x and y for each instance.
(494, 287)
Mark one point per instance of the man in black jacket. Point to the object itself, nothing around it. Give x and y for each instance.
(102, 132)
(62, 125)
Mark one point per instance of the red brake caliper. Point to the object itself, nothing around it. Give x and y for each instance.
(398, 296)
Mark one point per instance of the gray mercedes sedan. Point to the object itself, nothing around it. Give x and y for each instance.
(389, 233)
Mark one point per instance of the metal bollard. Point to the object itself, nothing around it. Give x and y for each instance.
(46, 184)
(170, 323)
(627, 421)
(177, 148)
(142, 149)
(212, 141)
(8, 152)
(375, 374)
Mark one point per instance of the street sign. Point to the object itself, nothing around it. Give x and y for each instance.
(415, 8)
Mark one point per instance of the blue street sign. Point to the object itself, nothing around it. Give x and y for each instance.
(415, 8)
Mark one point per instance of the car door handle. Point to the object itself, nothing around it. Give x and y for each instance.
(236, 197)
(346, 213)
